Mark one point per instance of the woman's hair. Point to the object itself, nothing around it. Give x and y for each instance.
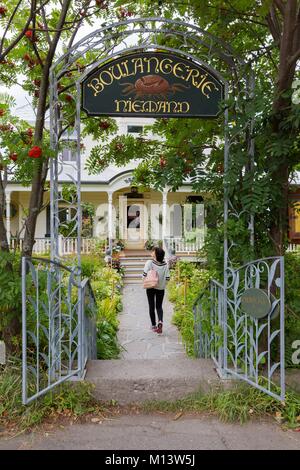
(159, 253)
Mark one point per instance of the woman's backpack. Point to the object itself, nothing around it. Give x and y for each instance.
(151, 280)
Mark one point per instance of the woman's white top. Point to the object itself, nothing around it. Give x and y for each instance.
(162, 270)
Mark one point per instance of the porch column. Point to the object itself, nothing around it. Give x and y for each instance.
(164, 216)
(7, 201)
(110, 218)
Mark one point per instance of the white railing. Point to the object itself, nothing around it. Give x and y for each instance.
(184, 246)
(293, 247)
(66, 246)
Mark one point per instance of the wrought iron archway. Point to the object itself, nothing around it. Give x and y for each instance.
(108, 42)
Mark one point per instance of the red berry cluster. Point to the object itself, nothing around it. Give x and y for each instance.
(37, 83)
(3, 10)
(7, 62)
(124, 13)
(162, 161)
(102, 4)
(30, 60)
(13, 156)
(104, 125)
(68, 98)
(6, 128)
(220, 168)
(29, 135)
(31, 35)
(35, 152)
(119, 147)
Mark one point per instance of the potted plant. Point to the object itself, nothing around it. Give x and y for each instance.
(149, 244)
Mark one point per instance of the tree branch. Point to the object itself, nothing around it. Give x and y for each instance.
(9, 23)
(22, 33)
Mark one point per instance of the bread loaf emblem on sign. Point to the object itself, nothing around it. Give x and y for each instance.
(151, 85)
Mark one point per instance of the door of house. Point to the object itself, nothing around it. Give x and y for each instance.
(134, 225)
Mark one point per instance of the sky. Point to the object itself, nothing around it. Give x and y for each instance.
(23, 108)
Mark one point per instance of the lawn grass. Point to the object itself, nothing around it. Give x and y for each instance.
(72, 399)
(236, 405)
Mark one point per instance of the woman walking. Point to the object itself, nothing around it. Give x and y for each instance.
(156, 294)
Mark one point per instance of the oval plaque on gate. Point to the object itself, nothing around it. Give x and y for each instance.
(256, 303)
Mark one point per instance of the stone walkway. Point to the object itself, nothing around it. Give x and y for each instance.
(135, 335)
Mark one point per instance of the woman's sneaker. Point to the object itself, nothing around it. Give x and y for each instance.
(154, 328)
(159, 328)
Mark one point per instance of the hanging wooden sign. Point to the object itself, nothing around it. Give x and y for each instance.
(152, 84)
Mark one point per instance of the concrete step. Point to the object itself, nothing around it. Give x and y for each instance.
(132, 269)
(137, 276)
(138, 380)
(135, 254)
(133, 264)
(132, 281)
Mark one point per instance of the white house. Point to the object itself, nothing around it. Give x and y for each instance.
(120, 212)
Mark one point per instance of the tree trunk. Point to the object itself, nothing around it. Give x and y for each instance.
(289, 46)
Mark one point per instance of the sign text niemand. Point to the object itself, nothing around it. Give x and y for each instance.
(152, 84)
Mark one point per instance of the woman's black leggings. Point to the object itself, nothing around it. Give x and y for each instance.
(155, 298)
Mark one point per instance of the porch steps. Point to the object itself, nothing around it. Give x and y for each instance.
(133, 263)
(138, 380)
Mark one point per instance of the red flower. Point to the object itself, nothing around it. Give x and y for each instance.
(3, 10)
(35, 152)
(13, 156)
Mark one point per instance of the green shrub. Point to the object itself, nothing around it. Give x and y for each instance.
(107, 284)
(72, 399)
(91, 264)
(187, 282)
(107, 343)
(239, 404)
